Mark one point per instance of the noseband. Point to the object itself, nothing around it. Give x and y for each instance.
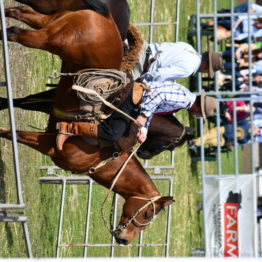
(151, 201)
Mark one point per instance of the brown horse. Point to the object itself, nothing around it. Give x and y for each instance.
(118, 8)
(87, 39)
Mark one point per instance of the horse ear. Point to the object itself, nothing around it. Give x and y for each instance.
(166, 201)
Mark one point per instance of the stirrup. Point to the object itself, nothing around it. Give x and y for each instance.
(61, 132)
(60, 140)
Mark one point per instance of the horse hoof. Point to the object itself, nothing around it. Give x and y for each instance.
(11, 12)
(13, 31)
(14, 12)
(4, 130)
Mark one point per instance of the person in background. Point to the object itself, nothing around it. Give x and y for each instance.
(243, 135)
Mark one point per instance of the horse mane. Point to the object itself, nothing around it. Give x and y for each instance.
(135, 42)
(98, 6)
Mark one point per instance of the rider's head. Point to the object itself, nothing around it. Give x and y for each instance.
(211, 62)
(204, 106)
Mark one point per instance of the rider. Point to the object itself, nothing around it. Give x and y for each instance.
(171, 61)
(163, 97)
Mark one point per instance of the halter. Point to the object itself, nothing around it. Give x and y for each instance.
(133, 218)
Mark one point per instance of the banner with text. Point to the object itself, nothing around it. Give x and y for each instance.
(230, 218)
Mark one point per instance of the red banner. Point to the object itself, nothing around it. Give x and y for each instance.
(231, 230)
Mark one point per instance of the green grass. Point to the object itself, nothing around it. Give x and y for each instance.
(29, 71)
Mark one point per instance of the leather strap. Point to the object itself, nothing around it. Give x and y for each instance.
(146, 63)
(64, 114)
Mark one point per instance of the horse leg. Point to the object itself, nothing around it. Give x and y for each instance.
(41, 102)
(40, 141)
(42, 6)
(30, 17)
(34, 39)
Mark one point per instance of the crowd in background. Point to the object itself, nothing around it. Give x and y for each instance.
(244, 59)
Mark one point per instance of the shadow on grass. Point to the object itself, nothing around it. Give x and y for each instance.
(194, 169)
(9, 235)
(2, 182)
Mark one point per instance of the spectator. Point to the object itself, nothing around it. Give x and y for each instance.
(241, 81)
(227, 135)
(241, 24)
(242, 110)
(242, 55)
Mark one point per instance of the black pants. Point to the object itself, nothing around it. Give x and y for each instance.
(116, 125)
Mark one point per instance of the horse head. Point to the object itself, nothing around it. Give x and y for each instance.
(138, 212)
(165, 133)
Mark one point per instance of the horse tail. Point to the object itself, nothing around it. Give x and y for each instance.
(135, 43)
(97, 6)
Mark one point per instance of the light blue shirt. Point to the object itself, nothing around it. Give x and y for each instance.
(257, 8)
(258, 67)
(241, 31)
(174, 60)
(258, 123)
(165, 97)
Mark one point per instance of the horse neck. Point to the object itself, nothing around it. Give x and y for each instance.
(161, 125)
(140, 182)
(133, 181)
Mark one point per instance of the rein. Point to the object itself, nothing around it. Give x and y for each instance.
(93, 92)
(109, 227)
(133, 218)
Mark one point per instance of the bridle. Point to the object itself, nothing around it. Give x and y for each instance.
(175, 140)
(151, 201)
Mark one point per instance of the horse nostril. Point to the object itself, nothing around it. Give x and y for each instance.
(122, 241)
(142, 154)
(139, 153)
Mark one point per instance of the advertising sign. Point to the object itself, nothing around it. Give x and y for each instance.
(230, 218)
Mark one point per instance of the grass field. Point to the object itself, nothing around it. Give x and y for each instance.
(29, 70)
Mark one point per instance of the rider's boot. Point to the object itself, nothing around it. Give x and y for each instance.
(65, 130)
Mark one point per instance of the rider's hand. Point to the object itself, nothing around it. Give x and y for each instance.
(141, 135)
(140, 120)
